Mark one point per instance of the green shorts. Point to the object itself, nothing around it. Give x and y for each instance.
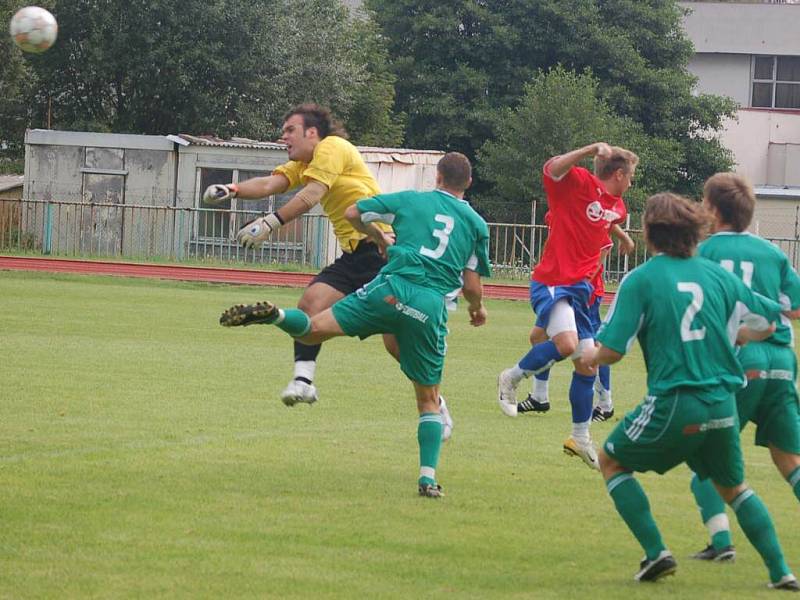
(416, 315)
(698, 427)
(770, 398)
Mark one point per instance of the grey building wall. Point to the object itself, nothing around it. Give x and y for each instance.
(722, 27)
(723, 74)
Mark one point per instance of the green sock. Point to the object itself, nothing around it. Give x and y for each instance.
(429, 436)
(293, 321)
(712, 511)
(794, 481)
(633, 507)
(757, 525)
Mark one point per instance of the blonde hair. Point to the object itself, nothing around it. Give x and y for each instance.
(604, 167)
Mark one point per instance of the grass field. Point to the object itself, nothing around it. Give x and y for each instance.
(144, 453)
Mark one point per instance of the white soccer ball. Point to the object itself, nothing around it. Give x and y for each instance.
(33, 29)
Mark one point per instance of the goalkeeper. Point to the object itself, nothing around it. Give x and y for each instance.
(329, 171)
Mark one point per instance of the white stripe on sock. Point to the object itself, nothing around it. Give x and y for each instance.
(718, 523)
(740, 499)
(428, 472)
(795, 478)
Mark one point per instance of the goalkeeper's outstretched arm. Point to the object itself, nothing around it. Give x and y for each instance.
(257, 187)
(256, 232)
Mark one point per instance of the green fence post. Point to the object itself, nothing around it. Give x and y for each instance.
(47, 242)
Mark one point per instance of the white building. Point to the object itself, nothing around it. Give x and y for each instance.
(751, 53)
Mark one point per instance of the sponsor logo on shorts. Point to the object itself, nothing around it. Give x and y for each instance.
(694, 428)
(405, 309)
(412, 312)
(755, 374)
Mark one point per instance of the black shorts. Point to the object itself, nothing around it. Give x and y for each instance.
(352, 270)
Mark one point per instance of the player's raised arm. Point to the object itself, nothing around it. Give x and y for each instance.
(473, 294)
(558, 166)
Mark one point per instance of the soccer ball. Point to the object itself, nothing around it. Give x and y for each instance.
(33, 29)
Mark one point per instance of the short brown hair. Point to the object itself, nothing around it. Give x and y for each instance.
(673, 224)
(317, 116)
(456, 170)
(620, 159)
(733, 197)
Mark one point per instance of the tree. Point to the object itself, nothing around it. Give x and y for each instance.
(17, 81)
(226, 67)
(461, 64)
(559, 111)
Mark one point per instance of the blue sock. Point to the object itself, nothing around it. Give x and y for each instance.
(581, 394)
(543, 375)
(540, 358)
(604, 375)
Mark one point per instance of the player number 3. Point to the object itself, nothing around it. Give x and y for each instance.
(442, 234)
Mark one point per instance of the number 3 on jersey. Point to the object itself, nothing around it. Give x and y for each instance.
(442, 234)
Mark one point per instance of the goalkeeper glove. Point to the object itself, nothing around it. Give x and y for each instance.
(220, 192)
(258, 230)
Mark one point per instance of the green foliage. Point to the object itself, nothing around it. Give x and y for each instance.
(561, 110)
(461, 63)
(17, 82)
(227, 67)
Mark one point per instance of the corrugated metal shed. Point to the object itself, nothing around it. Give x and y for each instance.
(10, 182)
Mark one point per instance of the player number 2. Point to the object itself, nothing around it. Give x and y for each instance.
(687, 333)
(745, 266)
(442, 234)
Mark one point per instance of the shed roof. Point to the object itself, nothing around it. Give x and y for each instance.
(371, 153)
(779, 192)
(9, 182)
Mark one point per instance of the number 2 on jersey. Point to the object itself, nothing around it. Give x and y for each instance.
(442, 234)
(687, 333)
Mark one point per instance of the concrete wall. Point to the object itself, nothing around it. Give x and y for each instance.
(723, 27)
(750, 138)
(723, 75)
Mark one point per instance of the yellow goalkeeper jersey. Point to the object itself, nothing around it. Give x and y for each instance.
(338, 165)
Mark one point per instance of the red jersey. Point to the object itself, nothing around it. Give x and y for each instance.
(580, 214)
(597, 281)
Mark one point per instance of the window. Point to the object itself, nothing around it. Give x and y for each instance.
(776, 82)
(217, 224)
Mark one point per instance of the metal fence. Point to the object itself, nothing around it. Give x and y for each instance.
(140, 232)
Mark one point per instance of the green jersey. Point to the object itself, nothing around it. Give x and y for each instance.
(763, 267)
(438, 236)
(686, 313)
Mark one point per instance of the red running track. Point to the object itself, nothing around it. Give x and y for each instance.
(211, 274)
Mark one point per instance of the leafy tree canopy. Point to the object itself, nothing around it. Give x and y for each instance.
(459, 64)
(227, 67)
